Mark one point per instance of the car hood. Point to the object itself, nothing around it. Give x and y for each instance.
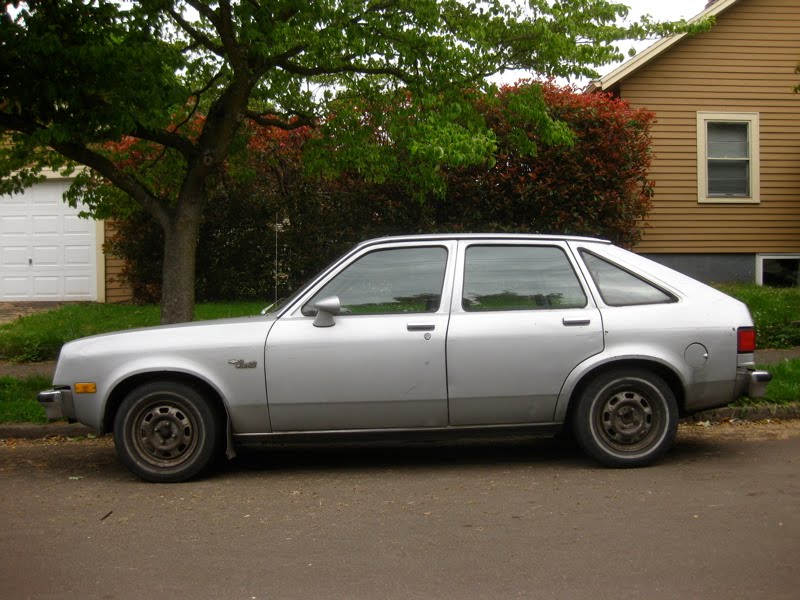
(219, 333)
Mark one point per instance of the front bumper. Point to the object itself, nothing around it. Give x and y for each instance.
(57, 403)
(752, 383)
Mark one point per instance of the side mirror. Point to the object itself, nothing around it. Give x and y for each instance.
(326, 308)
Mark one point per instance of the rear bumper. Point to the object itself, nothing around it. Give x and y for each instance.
(57, 403)
(752, 383)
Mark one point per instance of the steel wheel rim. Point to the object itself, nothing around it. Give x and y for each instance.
(165, 433)
(629, 421)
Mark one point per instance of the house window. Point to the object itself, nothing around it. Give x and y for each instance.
(778, 270)
(727, 157)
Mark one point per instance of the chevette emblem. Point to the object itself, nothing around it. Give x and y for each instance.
(240, 364)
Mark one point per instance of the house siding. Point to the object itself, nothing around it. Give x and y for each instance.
(116, 289)
(746, 63)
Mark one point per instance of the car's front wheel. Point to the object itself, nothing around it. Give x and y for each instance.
(626, 418)
(166, 432)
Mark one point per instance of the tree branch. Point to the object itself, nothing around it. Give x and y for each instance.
(296, 69)
(167, 139)
(198, 36)
(127, 183)
(92, 159)
(281, 123)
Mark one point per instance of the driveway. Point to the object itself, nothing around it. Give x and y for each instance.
(11, 311)
(717, 518)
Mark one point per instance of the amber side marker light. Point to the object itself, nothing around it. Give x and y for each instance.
(746, 340)
(85, 388)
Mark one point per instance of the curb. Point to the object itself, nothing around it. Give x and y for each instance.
(35, 431)
(761, 412)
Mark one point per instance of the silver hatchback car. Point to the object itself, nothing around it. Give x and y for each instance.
(442, 334)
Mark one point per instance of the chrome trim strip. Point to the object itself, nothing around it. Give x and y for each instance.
(432, 433)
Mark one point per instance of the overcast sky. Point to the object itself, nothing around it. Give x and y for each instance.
(664, 10)
(672, 9)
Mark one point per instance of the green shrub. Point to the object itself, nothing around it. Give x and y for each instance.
(776, 312)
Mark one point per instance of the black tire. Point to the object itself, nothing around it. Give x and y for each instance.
(626, 418)
(166, 432)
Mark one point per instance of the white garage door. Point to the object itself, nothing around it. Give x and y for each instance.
(46, 251)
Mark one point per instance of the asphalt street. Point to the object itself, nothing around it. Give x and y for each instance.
(718, 518)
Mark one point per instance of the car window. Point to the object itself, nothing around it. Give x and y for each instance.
(398, 280)
(519, 278)
(618, 287)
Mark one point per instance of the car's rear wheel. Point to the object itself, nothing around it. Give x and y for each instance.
(166, 432)
(626, 418)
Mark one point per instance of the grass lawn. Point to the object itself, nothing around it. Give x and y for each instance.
(40, 336)
(785, 385)
(18, 399)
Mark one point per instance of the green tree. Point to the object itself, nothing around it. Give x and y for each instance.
(75, 75)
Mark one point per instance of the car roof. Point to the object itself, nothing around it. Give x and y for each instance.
(480, 236)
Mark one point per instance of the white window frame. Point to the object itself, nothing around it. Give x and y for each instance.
(703, 118)
(760, 258)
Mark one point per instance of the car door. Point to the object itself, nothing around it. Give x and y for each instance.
(382, 362)
(521, 320)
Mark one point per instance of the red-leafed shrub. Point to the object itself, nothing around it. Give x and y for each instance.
(596, 187)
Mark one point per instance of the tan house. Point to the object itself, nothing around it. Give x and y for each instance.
(726, 143)
(49, 253)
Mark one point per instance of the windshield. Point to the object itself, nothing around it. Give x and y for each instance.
(284, 302)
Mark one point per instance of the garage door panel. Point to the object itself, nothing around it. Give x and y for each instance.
(46, 288)
(15, 256)
(14, 226)
(46, 256)
(74, 224)
(49, 193)
(46, 225)
(14, 288)
(77, 256)
(76, 287)
(15, 200)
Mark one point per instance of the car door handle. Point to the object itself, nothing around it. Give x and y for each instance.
(575, 321)
(420, 326)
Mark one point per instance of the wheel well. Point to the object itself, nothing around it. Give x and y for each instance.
(668, 375)
(124, 387)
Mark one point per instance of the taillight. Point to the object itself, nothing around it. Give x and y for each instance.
(746, 340)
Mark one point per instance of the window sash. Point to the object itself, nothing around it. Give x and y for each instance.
(728, 158)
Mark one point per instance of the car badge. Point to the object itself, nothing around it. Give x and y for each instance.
(241, 364)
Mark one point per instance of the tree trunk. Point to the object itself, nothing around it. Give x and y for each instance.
(180, 249)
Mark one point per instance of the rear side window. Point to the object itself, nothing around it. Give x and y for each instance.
(619, 287)
(519, 278)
